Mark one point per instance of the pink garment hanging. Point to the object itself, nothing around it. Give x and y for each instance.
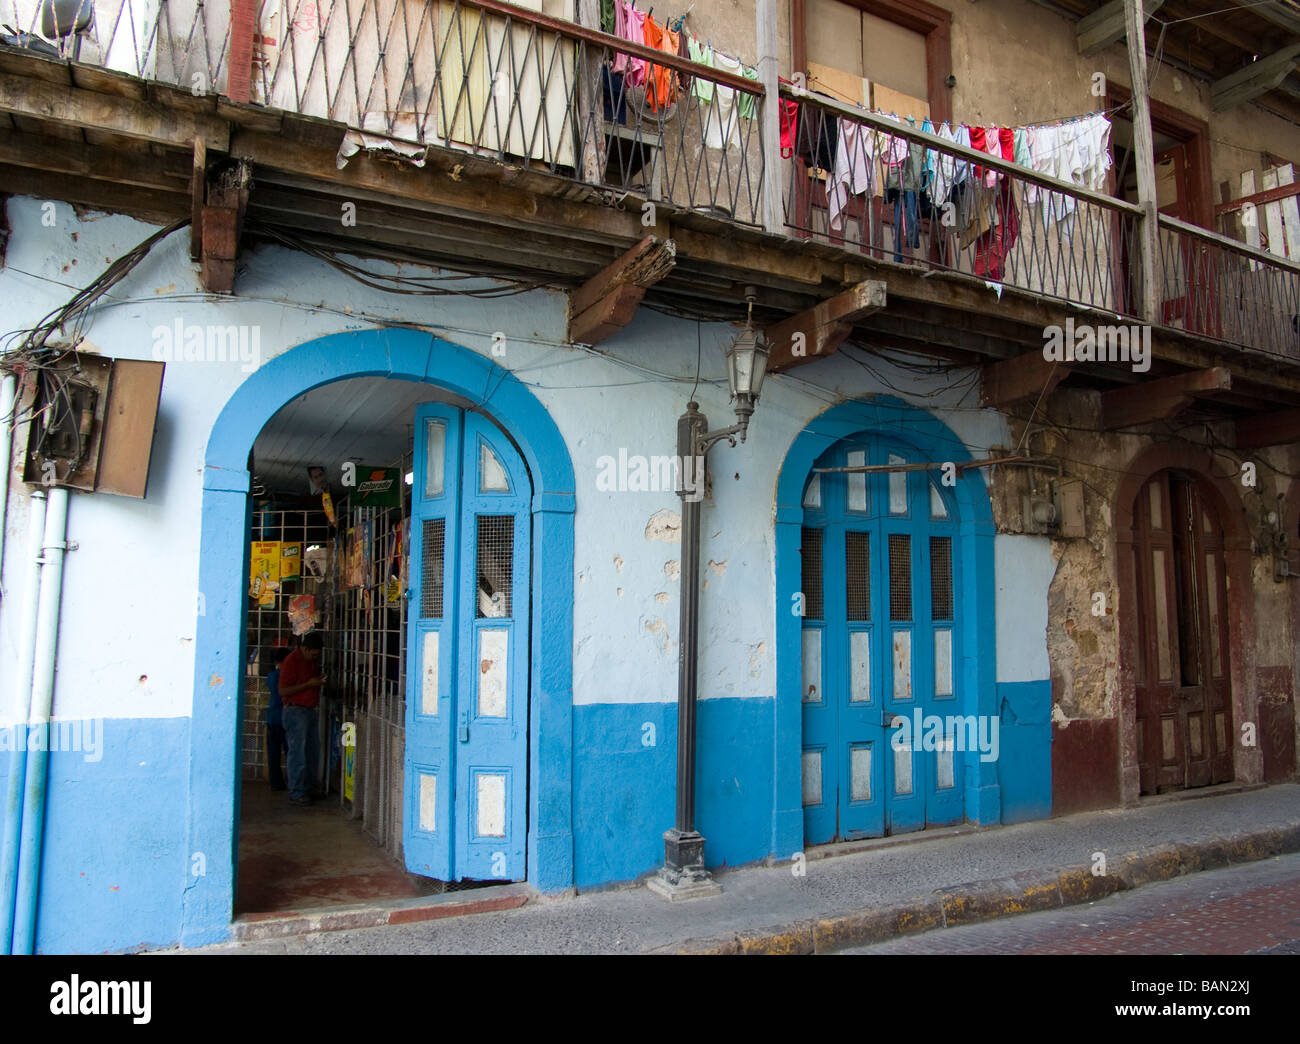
(629, 24)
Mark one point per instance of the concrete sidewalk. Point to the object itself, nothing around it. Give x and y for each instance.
(847, 895)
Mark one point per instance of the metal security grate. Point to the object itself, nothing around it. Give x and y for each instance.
(435, 532)
(496, 559)
(857, 575)
(810, 551)
(900, 576)
(941, 578)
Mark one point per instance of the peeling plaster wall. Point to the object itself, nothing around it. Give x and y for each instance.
(1084, 648)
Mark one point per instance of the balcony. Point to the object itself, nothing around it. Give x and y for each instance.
(584, 130)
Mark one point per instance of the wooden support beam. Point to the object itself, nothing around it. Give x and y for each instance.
(1144, 154)
(1026, 377)
(607, 301)
(223, 220)
(819, 331)
(1162, 399)
(150, 121)
(1258, 78)
(1278, 14)
(198, 196)
(1268, 429)
(1104, 26)
(239, 57)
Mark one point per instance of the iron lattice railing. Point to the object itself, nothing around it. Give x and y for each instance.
(488, 77)
(1216, 287)
(881, 187)
(522, 86)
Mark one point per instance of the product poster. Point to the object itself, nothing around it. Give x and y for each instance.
(378, 487)
(264, 571)
(290, 561)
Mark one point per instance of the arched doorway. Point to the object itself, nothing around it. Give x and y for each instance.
(880, 639)
(878, 428)
(404, 354)
(1219, 495)
(1181, 670)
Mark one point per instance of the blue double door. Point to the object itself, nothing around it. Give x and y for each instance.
(466, 779)
(880, 645)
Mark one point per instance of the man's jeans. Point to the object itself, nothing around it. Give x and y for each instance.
(304, 748)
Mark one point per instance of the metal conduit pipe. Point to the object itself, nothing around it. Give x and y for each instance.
(13, 808)
(32, 837)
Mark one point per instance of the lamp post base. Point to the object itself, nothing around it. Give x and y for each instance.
(683, 875)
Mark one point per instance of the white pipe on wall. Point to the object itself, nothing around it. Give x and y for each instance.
(54, 547)
(13, 808)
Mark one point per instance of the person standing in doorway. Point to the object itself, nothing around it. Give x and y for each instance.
(275, 723)
(300, 685)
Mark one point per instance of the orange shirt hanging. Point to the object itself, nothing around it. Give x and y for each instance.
(661, 82)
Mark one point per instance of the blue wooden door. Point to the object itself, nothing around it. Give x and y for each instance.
(878, 646)
(467, 642)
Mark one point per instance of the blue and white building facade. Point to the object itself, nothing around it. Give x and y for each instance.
(926, 611)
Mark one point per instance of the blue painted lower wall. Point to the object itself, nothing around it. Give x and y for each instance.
(115, 864)
(624, 791)
(1025, 761)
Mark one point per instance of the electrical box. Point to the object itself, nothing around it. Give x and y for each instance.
(91, 423)
(1070, 500)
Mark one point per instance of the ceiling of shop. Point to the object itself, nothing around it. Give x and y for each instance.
(367, 420)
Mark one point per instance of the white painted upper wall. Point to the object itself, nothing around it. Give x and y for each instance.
(130, 590)
(1024, 567)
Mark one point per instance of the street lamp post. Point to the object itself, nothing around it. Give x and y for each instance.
(683, 875)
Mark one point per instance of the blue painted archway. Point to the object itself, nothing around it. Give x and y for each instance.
(404, 354)
(889, 417)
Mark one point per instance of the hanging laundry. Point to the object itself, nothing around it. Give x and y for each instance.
(661, 81)
(702, 54)
(630, 26)
(748, 108)
(720, 117)
(789, 124)
(854, 160)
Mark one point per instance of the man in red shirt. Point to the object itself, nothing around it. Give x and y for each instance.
(300, 685)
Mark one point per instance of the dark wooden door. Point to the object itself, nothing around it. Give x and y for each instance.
(1183, 694)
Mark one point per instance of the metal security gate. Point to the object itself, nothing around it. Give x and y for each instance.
(467, 641)
(880, 641)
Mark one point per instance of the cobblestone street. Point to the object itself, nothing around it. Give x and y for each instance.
(1243, 909)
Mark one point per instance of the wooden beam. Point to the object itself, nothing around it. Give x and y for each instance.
(1026, 377)
(139, 167)
(1258, 198)
(1144, 156)
(1258, 78)
(1278, 14)
(607, 301)
(223, 221)
(198, 196)
(24, 96)
(1162, 399)
(1268, 429)
(1104, 26)
(820, 330)
(239, 55)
